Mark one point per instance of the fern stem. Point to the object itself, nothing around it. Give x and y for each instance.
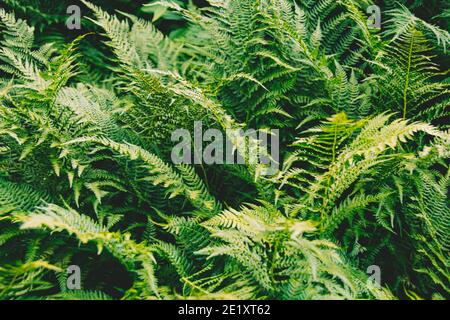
(407, 76)
(193, 285)
(325, 200)
(334, 143)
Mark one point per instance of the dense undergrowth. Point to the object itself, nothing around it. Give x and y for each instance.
(87, 180)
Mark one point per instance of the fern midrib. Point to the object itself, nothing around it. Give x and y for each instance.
(405, 91)
(325, 200)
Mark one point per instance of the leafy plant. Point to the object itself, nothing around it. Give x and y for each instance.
(86, 176)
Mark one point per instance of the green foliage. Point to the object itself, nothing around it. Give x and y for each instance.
(86, 176)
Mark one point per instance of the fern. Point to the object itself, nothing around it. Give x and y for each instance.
(86, 176)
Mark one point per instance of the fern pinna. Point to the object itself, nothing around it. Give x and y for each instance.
(86, 177)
